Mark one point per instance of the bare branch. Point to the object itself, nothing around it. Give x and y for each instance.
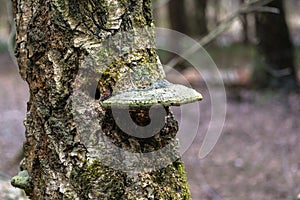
(252, 6)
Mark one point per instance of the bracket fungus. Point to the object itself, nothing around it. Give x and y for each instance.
(148, 107)
(160, 92)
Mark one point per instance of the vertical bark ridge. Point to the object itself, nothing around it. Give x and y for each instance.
(58, 44)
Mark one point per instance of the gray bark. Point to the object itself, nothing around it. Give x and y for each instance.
(60, 53)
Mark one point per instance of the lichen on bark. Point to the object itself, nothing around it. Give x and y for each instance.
(60, 51)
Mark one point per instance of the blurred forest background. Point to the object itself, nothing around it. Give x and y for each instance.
(256, 49)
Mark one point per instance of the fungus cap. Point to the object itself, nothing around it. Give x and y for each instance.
(160, 92)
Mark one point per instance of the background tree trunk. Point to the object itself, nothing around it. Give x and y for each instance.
(60, 54)
(4, 23)
(217, 7)
(245, 26)
(275, 68)
(200, 25)
(178, 16)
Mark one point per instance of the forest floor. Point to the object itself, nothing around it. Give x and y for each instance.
(256, 157)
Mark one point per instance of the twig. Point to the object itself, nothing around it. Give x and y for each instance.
(252, 6)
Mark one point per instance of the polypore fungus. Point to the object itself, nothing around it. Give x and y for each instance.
(160, 92)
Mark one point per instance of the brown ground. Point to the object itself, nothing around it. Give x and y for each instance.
(256, 158)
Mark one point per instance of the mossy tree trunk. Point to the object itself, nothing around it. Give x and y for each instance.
(275, 67)
(69, 133)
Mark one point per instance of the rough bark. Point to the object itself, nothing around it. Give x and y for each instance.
(60, 54)
(275, 67)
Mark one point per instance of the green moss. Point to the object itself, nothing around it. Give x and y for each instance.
(172, 182)
(22, 181)
(127, 75)
(99, 182)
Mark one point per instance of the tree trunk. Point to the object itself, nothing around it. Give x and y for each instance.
(275, 67)
(200, 26)
(178, 16)
(68, 53)
(245, 25)
(216, 4)
(4, 22)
